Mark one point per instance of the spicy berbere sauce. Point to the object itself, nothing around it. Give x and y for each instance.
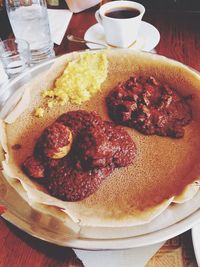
(98, 148)
(149, 106)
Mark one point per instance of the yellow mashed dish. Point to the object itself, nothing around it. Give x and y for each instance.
(81, 79)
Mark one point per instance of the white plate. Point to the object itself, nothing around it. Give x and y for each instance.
(176, 219)
(196, 241)
(148, 37)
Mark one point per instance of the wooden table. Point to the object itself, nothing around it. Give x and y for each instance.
(180, 40)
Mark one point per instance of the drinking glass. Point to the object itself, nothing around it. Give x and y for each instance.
(15, 56)
(29, 21)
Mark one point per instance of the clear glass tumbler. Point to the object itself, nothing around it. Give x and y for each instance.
(15, 56)
(29, 21)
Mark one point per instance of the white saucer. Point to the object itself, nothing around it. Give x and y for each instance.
(148, 37)
(196, 241)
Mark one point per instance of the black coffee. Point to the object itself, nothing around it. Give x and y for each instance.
(122, 13)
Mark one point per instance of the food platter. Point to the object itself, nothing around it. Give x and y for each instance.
(180, 217)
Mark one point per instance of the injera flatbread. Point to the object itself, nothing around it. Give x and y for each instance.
(164, 170)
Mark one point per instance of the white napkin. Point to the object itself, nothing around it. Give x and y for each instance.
(58, 20)
(135, 257)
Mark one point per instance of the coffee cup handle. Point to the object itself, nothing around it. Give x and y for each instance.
(98, 17)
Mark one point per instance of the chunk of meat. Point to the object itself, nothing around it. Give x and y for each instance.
(79, 119)
(103, 144)
(55, 142)
(33, 167)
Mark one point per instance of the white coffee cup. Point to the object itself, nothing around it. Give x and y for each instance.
(120, 32)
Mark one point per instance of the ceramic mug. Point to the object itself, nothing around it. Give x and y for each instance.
(121, 22)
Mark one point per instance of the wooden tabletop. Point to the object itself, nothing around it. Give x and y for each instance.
(180, 40)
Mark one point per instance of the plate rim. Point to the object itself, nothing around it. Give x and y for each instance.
(120, 243)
